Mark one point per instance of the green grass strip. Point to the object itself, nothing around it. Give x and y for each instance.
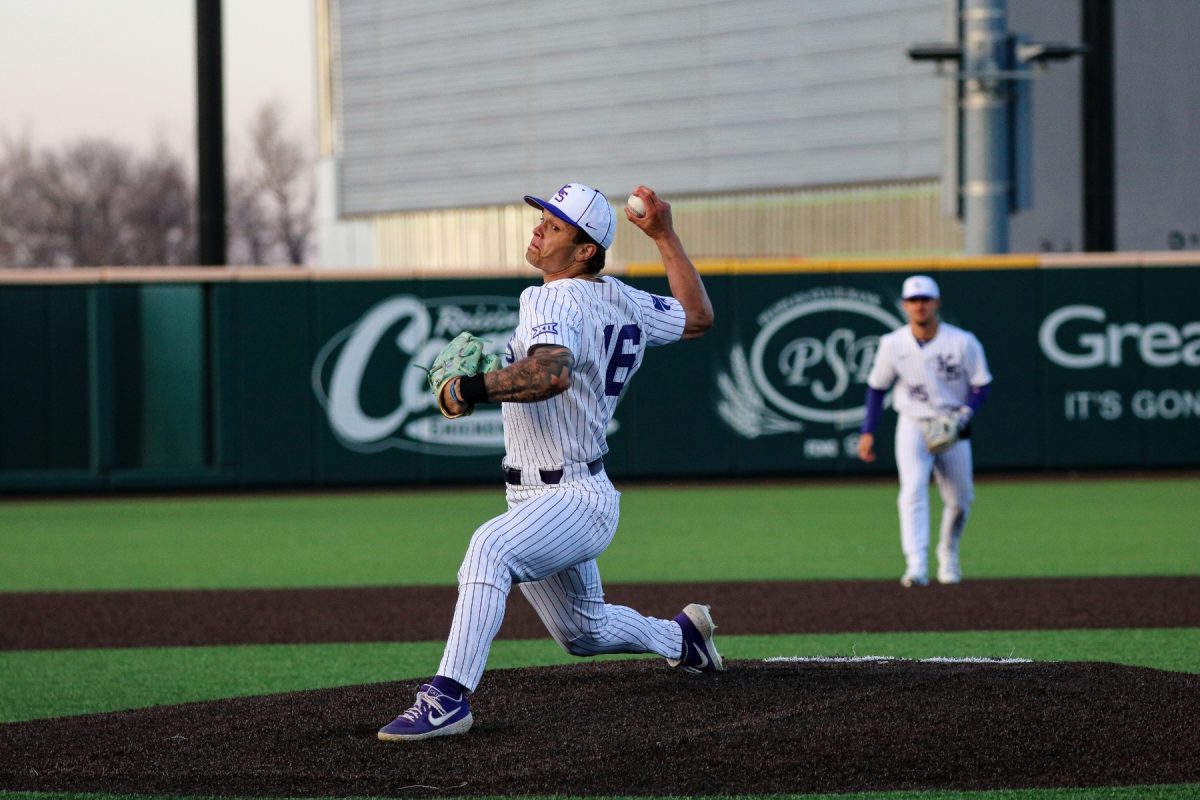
(1171, 792)
(707, 533)
(52, 683)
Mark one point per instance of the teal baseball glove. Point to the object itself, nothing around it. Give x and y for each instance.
(462, 357)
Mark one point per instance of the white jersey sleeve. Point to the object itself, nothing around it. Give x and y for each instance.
(546, 319)
(976, 362)
(662, 317)
(883, 369)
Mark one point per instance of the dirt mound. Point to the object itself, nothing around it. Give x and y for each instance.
(636, 727)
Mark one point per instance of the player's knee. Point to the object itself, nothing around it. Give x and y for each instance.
(484, 561)
(576, 647)
(960, 502)
(585, 644)
(486, 572)
(957, 512)
(578, 642)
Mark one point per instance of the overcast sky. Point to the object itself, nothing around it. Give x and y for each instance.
(126, 69)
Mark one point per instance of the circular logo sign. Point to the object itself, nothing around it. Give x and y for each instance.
(369, 380)
(808, 362)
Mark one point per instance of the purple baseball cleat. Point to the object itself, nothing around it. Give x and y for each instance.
(434, 714)
(699, 652)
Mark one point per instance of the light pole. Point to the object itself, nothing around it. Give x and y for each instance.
(210, 135)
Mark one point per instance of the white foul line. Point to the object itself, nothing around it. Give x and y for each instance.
(865, 659)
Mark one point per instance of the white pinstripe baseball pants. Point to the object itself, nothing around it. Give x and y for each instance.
(953, 472)
(547, 542)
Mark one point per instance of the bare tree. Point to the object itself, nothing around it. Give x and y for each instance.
(22, 243)
(83, 189)
(271, 201)
(161, 214)
(93, 204)
(96, 203)
(249, 234)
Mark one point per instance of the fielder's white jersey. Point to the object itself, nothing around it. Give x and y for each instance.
(932, 379)
(607, 325)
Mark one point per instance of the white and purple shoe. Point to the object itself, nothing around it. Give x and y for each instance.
(434, 714)
(699, 652)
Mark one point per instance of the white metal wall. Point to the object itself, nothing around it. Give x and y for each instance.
(891, 219)
(472, 103)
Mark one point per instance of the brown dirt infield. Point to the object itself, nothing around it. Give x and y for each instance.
(633, 727)
(57, 620)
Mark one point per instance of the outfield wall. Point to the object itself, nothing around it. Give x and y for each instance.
(122, 378)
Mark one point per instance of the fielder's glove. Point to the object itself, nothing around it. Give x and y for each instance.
(462, 357)
(944, 430)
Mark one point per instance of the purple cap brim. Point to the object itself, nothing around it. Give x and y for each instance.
(537, 202)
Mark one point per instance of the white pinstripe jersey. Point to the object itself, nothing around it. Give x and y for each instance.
(933, 379)
(607, 325)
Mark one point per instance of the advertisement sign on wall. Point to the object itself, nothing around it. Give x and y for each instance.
(805, 368)
(398, 337)
(312, 382)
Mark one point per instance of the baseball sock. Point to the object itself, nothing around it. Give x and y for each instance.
(449, 686)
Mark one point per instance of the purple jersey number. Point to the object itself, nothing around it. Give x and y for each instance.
(619, 358)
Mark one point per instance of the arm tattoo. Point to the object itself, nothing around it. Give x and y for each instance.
(544, 373)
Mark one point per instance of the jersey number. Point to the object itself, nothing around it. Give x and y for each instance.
(619, 358)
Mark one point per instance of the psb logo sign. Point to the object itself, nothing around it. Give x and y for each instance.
(375, 398)
(808, 363)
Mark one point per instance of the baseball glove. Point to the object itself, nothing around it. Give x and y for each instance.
(462, 357)
(941, 432)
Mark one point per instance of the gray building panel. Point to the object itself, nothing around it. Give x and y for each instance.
(1055, 221)
(1158, 125)
(1156, 99)
(468, 103)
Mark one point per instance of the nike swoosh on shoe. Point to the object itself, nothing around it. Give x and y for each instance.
(437, 721)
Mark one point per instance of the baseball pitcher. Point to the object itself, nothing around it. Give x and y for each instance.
(580, 339)
(941, 379)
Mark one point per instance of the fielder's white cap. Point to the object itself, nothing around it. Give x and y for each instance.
(583, 207)
(919, 286)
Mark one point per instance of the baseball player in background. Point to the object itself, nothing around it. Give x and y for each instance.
(580, 338)
(941, 379)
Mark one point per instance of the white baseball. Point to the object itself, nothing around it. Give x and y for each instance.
(637, 205)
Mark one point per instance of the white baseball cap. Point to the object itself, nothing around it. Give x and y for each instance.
(919, 286)
(583, 207)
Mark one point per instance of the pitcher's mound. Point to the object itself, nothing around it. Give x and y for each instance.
(637, 727)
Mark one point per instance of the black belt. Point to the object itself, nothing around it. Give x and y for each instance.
(550, 476)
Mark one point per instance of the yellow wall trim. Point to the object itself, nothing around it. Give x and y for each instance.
(747, 266)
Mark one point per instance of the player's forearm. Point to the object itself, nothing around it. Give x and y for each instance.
(874, 410)
(978, 396)
(686, 286)
(542, 374)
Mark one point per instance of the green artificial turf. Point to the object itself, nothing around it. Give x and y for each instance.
(50, 683)
(687, 533)
(1032, 528)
